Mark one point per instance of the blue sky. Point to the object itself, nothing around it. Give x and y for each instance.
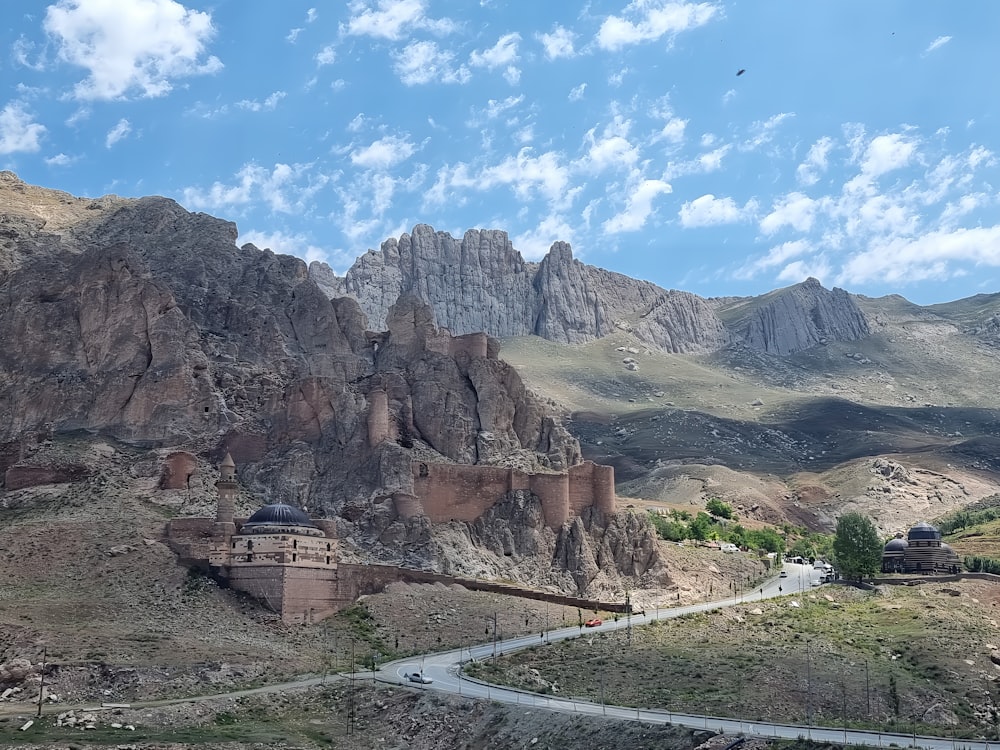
(860, 145)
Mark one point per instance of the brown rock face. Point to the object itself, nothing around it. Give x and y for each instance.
(19, 477)
(178, 468)
(137, 320)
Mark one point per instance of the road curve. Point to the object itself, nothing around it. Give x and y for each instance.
(444, 669)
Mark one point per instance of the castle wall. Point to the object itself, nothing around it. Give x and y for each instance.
(591, 484)
(264, 583)
(407, 506)
(450, 492)
(553, 491)
(310, 594)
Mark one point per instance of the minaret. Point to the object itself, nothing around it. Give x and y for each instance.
(226, 487)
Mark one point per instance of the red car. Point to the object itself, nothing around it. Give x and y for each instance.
(593, 622)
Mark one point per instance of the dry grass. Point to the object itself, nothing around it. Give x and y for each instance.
(872, 659)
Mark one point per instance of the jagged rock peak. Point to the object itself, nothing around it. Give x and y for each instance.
(796, 318)
(481, 283)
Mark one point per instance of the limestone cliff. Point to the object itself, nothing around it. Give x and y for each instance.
(481, 283)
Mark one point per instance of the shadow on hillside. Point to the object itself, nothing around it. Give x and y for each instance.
(814, 436)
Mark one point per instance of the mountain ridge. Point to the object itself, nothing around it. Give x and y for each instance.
(481, 283)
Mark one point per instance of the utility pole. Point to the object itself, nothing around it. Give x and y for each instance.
(494, 638)
(868, 695)
(350, 697)
(809, 687)
(604, 708)
(41, 686)
(628, 615)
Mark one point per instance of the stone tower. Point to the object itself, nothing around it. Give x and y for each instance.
(226, 486)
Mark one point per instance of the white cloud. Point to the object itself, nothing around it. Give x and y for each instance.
(18, 131)
(392, 19)
(816, 162)
(383, 153)
(121, 129)
(22, 50)
(800, 270)
(423, 62)
(525, 174)
(558, 44)
(776, 256)
(326, 56)
(311, 15)
(611, 149)
(965, 205)
(357, 123)
(712, 161)
(577, 92)
(653, 19)
(937, 44)
(60, 160)
(139, 46)
(709, 211)
(501, 53)
(930, 256)
(299, 245)
(638, 207)
(285, 189)
(533, 244)
(763, 131)
(886, 153)
(496, 107)
(293, 35)
(268, 105)
(673, 131)
(795, 210)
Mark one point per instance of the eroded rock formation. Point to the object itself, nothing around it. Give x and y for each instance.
(481, 283)
(139, 321)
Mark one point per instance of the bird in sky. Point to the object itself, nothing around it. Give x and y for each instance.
(741, 71)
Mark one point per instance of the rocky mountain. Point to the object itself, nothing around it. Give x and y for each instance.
(139, 322)
(481, 283)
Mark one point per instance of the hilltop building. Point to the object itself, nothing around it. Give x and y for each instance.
(922, 551)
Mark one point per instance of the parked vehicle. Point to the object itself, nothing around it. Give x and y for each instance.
(783, 574)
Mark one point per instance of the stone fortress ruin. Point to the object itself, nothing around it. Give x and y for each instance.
(290, 563)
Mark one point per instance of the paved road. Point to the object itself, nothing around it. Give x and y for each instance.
(444, 669)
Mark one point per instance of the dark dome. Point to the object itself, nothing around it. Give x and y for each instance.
(279, 514)
(923, 531)
(896, 545)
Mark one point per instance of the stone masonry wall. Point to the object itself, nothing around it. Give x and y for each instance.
(450, 492)
(453, 492)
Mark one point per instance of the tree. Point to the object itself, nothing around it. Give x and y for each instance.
(856, 547)
(718, 508)
(700, 528)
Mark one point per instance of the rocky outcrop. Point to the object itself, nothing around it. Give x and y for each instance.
(481, 283)
(141, 322)
(796, 318)
(592, 550)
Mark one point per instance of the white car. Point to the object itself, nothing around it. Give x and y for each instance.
(419, 677)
